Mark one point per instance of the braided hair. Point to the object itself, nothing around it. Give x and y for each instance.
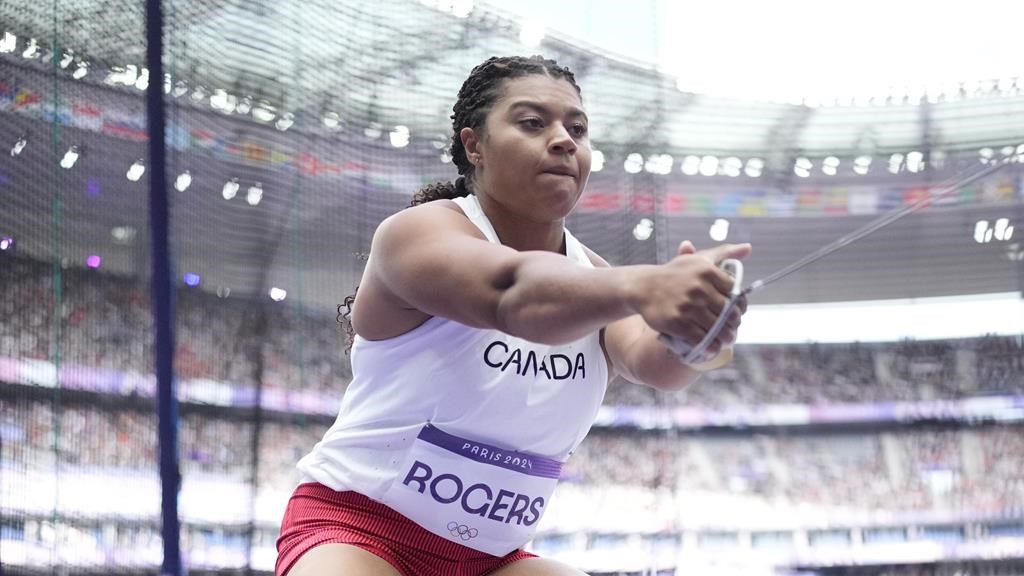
(478, 94)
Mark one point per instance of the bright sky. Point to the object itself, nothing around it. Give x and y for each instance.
(788, 49)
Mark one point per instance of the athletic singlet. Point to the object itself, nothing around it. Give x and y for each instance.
(444, 384)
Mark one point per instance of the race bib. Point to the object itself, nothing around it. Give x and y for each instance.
(478, 495)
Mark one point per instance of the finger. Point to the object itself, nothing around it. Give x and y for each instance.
(726, 251)
(687, 247)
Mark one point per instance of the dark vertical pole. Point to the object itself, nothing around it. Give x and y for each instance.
(163, 295)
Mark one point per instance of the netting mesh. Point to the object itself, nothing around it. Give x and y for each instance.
(294, 128)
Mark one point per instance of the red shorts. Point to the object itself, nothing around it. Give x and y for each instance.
(318, 515)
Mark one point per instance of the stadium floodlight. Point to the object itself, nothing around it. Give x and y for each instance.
(32, 50)
(634, 163)
(754, 167)
(399, 136)
(830, 165)
(69, 159)
(659, 164)
(180, 89)
(80, 70)
(732, 166)
(136, 170)
(719, 230)
(802, 167)
(373, 131)
(709, 165)
(643, 229)
(183, 181)
(142, 82)
(895, 163)
(285, 121)
(1002, 230)
(862, 164)
(255, 194)
(123, 234)
(596, 161)
(531, 33)
(915, 161)
(264, 112)
(19, 146)
(332, 120)
(230, 189)
(244, 105)
(8, 43)
(690, 165)
(461, 8)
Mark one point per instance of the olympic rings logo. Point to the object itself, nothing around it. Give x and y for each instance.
(462, 531)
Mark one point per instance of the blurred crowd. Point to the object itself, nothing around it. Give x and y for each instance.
(104, 321)
(978, 468)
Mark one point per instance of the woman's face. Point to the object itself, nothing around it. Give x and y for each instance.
(533, 155)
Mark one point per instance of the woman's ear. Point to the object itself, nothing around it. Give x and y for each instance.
(471, 143)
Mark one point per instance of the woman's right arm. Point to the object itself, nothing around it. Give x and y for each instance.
(434, 259)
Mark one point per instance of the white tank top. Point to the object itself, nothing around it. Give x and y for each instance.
(474, 383)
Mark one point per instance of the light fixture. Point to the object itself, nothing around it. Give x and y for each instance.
(754, 167)
(719, 230)
(69, 159)
(183, 181)
(802, 167)
(123, 234)
(643, 229)
(373, 131)
(8, 43)
(32, 50)
(830, 165)
(19, 146)
(191, 279)
(596, 161)
(230, 189)
(81, 70)
(531, 33)
(399, 136)
(895, 163)
(634, 163)
(915, 161)
(93, 261)
(1002, 230)
(278, 294)
(6, 243)
(135, 171)
(658, 164)
(66, 59)
(264, 112)
(285, 121)
(732, 166)
(142, 82)
(862, 164)
(255, 194)
(690, 165)
(332, 120)
(244, 105)
(708, 165)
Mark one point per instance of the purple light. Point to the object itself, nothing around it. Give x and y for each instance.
(92, 188)
(6, 243)
(192, 279)
(93, 261)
